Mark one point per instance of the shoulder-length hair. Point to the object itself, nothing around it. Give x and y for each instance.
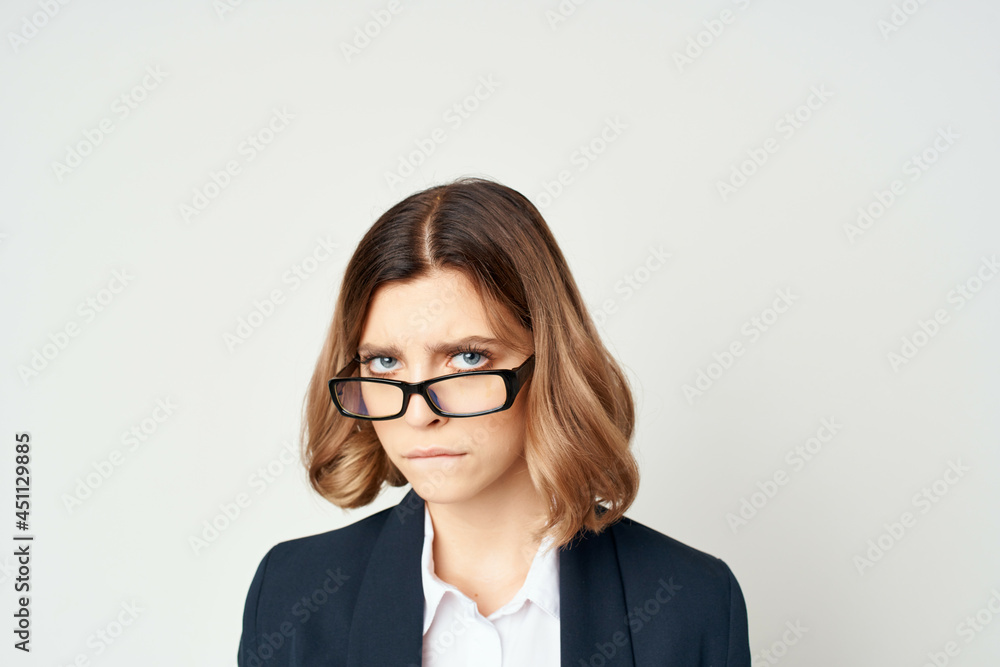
(580, 411)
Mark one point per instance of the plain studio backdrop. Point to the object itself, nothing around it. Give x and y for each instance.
(783, 218)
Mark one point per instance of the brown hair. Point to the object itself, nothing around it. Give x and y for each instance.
(580, 411)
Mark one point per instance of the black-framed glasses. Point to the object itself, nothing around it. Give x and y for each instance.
(463, 394)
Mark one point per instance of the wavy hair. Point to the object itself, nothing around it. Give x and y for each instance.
(580, 411)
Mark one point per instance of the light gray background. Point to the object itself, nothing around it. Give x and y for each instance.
(681, 130)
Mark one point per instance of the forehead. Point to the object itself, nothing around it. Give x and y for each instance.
(444, 304)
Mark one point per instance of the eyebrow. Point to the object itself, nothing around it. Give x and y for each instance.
(392, 350)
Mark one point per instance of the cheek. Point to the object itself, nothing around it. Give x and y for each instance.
(503, 438)
(388, 436)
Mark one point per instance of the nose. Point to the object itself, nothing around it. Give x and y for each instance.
(418, 413)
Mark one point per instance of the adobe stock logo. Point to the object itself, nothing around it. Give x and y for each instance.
(88, 309)
(264, 308)
(230, 510)
(250, 148)
(102, 470)
(77, 152)
(899, 17)
(454, 116)
(753, 328)
(107, 634)
(915, 167)
(787, 125)
(31, 25)
(562, 12)
(585, 155)
(968, 629)
(779, 648)
(712, 31)
(632, 282)
(797, 457)
(927, 330)
(924, 500)
(381, 18)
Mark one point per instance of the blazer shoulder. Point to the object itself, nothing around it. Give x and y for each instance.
(635, 535)
(648, 551)
(705, 599)
(307, 587)
(351, 542)
(328, 566)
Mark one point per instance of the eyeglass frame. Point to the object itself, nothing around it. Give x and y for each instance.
(513, 379)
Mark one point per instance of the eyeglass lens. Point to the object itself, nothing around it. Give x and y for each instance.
(458, 395)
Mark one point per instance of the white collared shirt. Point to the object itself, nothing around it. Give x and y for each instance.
(525, 631)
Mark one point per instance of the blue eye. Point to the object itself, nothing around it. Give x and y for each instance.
(381, 368)
(475, 356)
(476, 359)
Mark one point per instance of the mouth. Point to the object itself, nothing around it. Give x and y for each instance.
(433, 453)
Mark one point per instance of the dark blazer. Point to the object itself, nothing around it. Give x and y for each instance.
(629, 596)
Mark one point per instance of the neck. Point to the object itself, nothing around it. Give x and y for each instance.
(489, 537)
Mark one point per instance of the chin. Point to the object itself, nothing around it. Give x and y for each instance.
(439, 484)
(437, 493)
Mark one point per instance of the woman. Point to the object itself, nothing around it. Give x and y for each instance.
(461, 360)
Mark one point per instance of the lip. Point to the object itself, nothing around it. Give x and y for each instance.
(433, 452)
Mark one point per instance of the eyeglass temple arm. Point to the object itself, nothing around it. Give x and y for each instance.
(525, 370)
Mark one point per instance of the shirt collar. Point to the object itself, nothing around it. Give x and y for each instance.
(541, 586)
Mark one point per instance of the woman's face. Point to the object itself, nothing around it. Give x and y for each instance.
(436, 326)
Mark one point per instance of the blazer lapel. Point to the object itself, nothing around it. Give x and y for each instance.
(593, 621)
(387, 627)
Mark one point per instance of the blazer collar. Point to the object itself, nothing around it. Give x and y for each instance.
(386, 629)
